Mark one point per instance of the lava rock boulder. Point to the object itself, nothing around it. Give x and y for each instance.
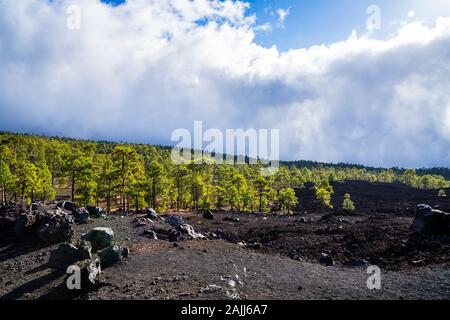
(99, 238)
(68, 205)
(175, 221)
(81, 215)
(84, 250)
(112, 255)
(56, 230)
(96, 212)
(63, 256)
(429, 221)
(326, 259)
(208, 215)
(151, 214)
(24, 224)
(189, 232)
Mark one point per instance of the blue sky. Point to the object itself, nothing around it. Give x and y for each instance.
(315, 22)
(143, 69)
(327, 21)
(320, 21)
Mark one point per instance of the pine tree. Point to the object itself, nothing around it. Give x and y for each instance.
(128, 163)
(47, 191)
(288, 200)
(261, 185)
(86, 178)
(34, 167)
(324, 192)
(180, 172)
(156, 175)
(6, 178)
(73, 163)
(410, 177)
(348, 204)
(26, 180)
(54, 158)
(108, 179)
(136, 189)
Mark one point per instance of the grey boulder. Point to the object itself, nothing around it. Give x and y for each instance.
(99, 238)
(112, 255)
(188, 230)
(63, 256)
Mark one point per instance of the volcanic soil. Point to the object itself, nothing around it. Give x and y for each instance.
(264, 257)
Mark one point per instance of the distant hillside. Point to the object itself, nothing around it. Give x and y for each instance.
(445, 172)
(108, 147)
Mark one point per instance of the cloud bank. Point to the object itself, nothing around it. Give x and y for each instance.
(140, 70)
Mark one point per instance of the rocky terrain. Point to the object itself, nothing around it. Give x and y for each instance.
(314, 254)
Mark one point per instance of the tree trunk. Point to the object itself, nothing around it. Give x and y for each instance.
(260, 200)
(85, 194)
(123, 182)
(108, 202)
(3, 194)
(22, 196)
(149, 198)
(154, 194)
(108, 198)
(178, 194)
(73, 186)
(123, 195)
(53, 179)
(239, 200)
(3, 190)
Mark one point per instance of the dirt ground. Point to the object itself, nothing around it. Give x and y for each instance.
(281, 263)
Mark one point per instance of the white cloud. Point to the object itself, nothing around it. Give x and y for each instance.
(411, 14)
(140, 70)
(282, 15)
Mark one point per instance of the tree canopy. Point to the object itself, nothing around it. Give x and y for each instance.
(124, 176)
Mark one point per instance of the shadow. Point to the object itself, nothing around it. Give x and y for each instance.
(40, 268)
(14, 247)
(62, 293)
(31, 286)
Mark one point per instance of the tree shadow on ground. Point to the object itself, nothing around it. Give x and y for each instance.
(12, 247)
(31, 286)
(61, 292)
